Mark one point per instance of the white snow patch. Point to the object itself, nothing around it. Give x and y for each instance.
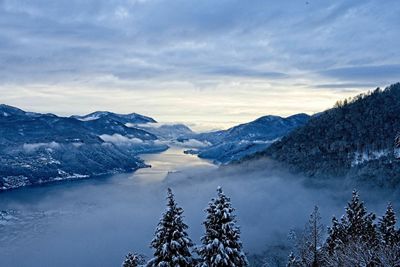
(90, 118)
(361, 157)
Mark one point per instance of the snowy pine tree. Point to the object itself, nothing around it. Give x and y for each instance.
(336, 233)
(221, 243)
(389, 236)
(389, 247)
(359, 223)
(171, 243)
(353, 241)
(133, 260)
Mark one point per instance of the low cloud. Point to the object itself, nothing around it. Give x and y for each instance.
(268, 202)
(120, 139)
(32, 147)
(192, 143)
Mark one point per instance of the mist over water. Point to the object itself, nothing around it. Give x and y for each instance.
(96, 222)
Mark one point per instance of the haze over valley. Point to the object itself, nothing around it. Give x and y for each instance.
(166, 133)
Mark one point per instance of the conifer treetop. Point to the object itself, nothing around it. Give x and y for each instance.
(221, 243)
(171, 243)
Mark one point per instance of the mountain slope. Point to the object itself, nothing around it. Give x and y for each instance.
(355, 138)
(167, 131)
(37, 148)
(122, 118)
(248, 138)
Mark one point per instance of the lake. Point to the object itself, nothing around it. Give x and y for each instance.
(96, 222)
(92, 222)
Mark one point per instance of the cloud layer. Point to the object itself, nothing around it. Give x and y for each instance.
(72, 51)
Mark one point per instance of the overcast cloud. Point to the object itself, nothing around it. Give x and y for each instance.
(237, 59)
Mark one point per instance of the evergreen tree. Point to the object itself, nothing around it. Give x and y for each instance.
(389, 249)
(171, 243)
(336, 235)
(353, 241)
(314, 231)
(133, 260)
(387, 228)
(221, 243)
(358, 223)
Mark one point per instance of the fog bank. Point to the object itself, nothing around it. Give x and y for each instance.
(96, 222)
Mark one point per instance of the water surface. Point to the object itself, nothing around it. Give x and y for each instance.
(92, 222)
(96, 222)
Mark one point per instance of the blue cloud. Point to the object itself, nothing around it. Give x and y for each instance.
(331, 45)
(365, 73)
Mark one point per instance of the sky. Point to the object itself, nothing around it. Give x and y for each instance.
(209, 64)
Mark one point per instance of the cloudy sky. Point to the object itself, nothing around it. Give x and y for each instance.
(207, 63)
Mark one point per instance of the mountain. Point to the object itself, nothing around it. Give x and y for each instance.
(245, 139)
(356, 139)
(167, 131)
(107, 125)
(122, 118)
(38, 148)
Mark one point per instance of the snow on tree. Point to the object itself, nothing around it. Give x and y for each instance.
(353, 241)
(389, 248)
(359, 223)
(387, 227)
(133, 260)
(171, 242)
(336, 233)
(312, 240)
(221, 243)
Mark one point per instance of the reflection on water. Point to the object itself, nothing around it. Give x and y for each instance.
(171, 161)
(91, 222)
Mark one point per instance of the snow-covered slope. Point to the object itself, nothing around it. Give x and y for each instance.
(123, 118)
(166, 131)
(248, 138)
(38, 148)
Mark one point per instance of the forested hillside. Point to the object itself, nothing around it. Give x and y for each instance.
(245, 139)
(39, 148)
(355, 138)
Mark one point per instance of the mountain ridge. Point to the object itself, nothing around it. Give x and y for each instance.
(123, 118)
(241, 140)
(355, 139)
(38, 148)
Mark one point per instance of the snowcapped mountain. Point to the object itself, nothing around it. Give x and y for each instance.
(122, 118)
(6, 111)
(246, 139)
(166, 131)
(38, 148)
